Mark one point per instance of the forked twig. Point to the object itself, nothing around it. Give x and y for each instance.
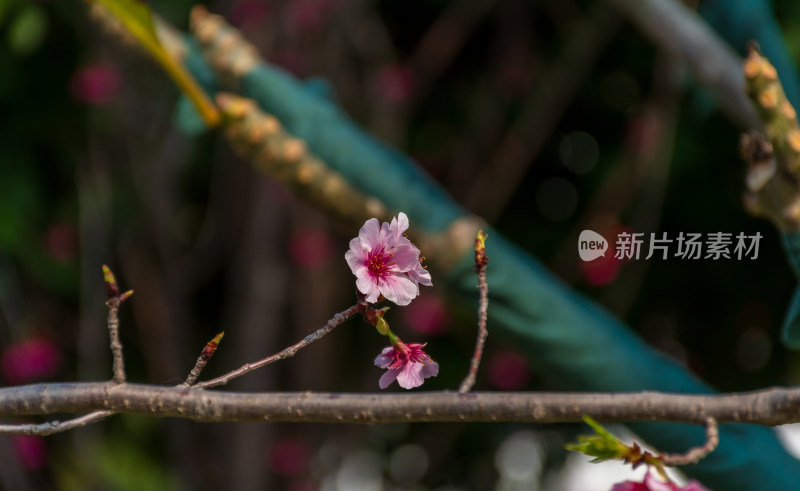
(118, 369)
(288, 352)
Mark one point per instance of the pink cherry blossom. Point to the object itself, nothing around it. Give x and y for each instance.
(34, 358)
(652, 483)
(31, 451)
(407, 363)
(386, 263)
(95, 84)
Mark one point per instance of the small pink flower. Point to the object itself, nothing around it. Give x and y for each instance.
(427, 316)
(407, 363)
(31, 359)
(31, 451)
(386, 263)
(289, 456)
(95, 84)
(508, 370)
(652, 483)
(311, 248)
(395, 84)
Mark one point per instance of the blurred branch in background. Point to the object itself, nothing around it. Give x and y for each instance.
(518, 148)
(672, 26)
(639, 177)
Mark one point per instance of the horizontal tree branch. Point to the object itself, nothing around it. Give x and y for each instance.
(766, 407)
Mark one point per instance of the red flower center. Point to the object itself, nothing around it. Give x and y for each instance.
(380, 262)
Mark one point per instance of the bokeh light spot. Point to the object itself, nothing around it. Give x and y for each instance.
(556, 198)
(579, 152)
(408, 463)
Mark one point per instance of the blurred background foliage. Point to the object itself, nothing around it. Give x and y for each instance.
(615, 137)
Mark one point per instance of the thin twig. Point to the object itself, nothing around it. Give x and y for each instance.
(483, 307)
(695, 454)
(116, 345)
(113, 303)
(202, 360)
(288, 352)
(52, 427)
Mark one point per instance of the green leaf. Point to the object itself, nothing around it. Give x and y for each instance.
(136, 17)
(27, 30)
(602, 446)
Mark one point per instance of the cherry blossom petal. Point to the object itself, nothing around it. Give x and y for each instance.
(694, 486)
(388, 377)
(369, 288)
(410, 376)
(399, 225)
(629, 486)
(430, 368)
(384, 359)
(420, 275)
(355, 256)
(370, 233)
(406, 258)
(396, 288)
(655, 484)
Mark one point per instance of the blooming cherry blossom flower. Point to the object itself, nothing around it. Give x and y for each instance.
(407, 363)
(386, 263)
(652, 483)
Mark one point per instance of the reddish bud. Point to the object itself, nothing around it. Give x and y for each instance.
(480, 249)
(374, 316)
(211, 347)
(111, 282)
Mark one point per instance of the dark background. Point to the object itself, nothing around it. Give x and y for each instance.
(616, 137)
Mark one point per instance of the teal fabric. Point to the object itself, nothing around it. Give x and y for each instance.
(371, 166)
(740, 23)
(791, 324)
(570, 341)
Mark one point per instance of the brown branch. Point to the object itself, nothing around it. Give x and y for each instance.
(695, 454)
(288, 352)
(483, 306)
(766, 407)
(118, 368)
